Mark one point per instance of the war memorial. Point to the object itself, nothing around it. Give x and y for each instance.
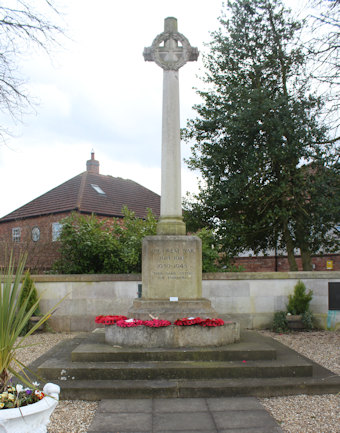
(177, 361)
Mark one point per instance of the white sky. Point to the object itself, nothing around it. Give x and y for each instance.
(98, 92)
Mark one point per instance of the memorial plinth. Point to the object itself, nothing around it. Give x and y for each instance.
(172, 267)
(171, 279)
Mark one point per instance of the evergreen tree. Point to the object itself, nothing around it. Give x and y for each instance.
(256, 140)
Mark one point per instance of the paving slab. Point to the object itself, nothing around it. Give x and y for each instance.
(181, 421)
(243, 419)
(118, 406)
(234, 403)
(177, 415)
(180, 405)
(124, 421)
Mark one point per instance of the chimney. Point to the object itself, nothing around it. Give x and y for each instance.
(92, 166)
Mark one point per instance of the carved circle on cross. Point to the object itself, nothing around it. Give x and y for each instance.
(184, 51)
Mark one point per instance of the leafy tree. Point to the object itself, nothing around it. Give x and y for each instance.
(89, 245)
(130, 236)
(324, 53)
(22, 26)
(265, 161)
(92, 246)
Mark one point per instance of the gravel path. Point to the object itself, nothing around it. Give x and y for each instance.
(296, 414)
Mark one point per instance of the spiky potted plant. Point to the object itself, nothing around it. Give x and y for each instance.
(23, 407)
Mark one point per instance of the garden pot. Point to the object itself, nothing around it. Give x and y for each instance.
(34, 320)
(33, 418)
(295, 321)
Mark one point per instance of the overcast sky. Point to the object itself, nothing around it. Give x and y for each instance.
(97, 92)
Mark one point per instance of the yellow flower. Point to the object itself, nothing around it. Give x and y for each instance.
(11, 397)
(4, 395)
(2, 405)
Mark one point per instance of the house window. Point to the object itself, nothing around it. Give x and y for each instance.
(98, 189)
(16, 234)
(56, 230)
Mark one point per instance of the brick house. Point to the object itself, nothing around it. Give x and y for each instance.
(35, 227)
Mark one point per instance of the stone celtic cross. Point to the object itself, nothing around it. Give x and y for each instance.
(170, 56)
(171, 50)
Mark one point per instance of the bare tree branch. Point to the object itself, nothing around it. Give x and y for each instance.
(22, 27)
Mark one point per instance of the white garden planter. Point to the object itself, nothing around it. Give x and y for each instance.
(32, 418)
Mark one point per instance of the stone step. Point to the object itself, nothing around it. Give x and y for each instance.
(178, 378)
(164, 309)
(154, 370)
(234, 352)
(257, 387)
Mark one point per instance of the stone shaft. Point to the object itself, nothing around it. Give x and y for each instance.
(171, 209)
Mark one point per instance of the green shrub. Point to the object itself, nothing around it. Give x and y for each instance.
(28, 296)
(298, 303)
(280, 323)
(29, 291)
(308, 320)
(210, 255)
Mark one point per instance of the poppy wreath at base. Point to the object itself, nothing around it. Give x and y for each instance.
(130, 323)
(198, 321)
(212, 322)
(124, 322)
(109, 320)
(156, 323)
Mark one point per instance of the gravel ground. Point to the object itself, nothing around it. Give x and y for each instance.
(309, 413)
(296, 414)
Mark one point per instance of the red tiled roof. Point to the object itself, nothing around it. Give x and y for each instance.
(77, 194)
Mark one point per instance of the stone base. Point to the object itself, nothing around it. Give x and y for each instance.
(145, 309)
(173, 336)
(171, 226)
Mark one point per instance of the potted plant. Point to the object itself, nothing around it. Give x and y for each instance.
(23, 407)
(298, 306)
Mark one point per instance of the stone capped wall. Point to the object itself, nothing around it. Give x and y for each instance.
(250, 298)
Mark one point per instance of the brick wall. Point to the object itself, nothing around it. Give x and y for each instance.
(267, 264)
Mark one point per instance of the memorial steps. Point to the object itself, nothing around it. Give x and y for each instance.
(88, 369)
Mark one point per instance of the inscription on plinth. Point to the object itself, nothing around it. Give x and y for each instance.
(172, 267)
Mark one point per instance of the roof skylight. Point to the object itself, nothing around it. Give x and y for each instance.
(98, 189)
